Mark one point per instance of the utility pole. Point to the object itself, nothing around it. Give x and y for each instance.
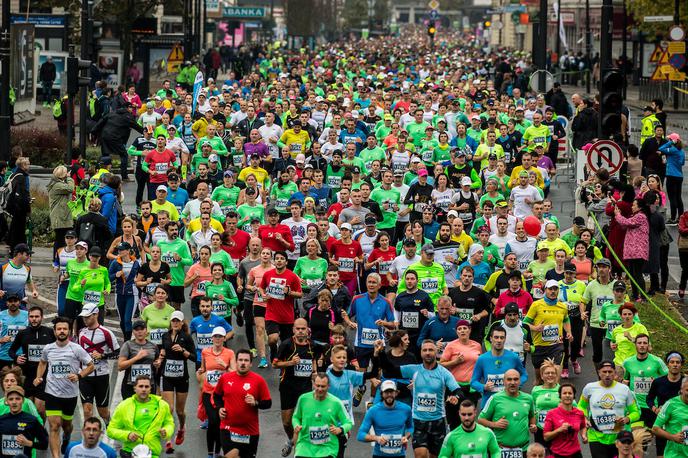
(624, 44)
(5, 95)
(187, 30)
(588, 46)
(673, 83)
(605, 49)
(559, 24)
(542, 45)
(83, 91)
(70, 113)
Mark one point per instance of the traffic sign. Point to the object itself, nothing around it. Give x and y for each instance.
(175, 58)
(663, 59)
(676, 33)
(434, 4)
(434, 14)
(676, 47)
(605, 154)
(658, 18)
(677, 76)
(656, 54)
(678, 61)
(658, 74)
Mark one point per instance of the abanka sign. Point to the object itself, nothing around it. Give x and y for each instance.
(243, 12)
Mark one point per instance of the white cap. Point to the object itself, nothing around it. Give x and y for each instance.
(466, 181)
(300, 158)
(177, 315)
(415, 160)
(89, 310)
(475, 248)
(219, 331)
(551, 284)
(82, 244)
(388, 385)
(346, 226)
(213, 158)
(162, 187)
(453, 213)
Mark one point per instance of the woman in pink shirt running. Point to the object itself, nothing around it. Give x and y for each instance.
(563, 424)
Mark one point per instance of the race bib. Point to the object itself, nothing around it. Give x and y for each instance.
(684, 431)
(334, 181)
(150, 289)
(429, 285)
(92, 297)
(410, 320)
(427, 156)
(204, 340)
(174, 368)
(236, 160)
(466, 216)
(550, 333)
(155, 335)
(369, 336)
(161, 167)
(464, 314)
(275, 291)
(508, 452)
(34, 352)
(313, 283)
(201, 287)
(426, 402)
(212, 377)
(641, 385)
(13, 330)
(523, 265)
(393, 445)
(572, 306)
(60, 369)
(239, 438)
(346, 264)
(497, 380)
(10, 446)
(538, 292)
(541, 417)
(140, 369)
(319, 435)
(304, 368)
(605, 422)
(281, 204)
(611, 325)
(169, 259)
(383, 268)
(219, 308)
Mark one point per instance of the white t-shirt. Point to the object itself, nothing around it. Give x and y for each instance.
(519, 196)
(271, 131)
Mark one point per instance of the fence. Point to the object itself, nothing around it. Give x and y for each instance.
(649, 90)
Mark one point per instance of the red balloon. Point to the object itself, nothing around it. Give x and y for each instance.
(532, 226)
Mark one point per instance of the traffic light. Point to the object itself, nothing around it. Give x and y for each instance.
(74, 78)
(96, 29)
(432, 30)
(611, 101)
(487, 24)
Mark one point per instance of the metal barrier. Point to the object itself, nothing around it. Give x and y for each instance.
(649, 90)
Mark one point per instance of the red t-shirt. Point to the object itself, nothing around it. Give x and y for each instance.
(160, 162)
(566, 443)
(267, 236)
(241, 418)
(236, 245)
(345, 254)
(386, 258)
(280, 306)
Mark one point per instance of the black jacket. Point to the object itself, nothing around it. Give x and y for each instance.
(584, 127)
(245, 126)
(103, 236)
(117, 125)
(48, 72)
(40, 336)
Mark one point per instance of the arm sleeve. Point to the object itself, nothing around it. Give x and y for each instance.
(476, 384)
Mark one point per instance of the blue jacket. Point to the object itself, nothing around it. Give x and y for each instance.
(123, 287)
(675, 159)
(436, 329)
(109, 209)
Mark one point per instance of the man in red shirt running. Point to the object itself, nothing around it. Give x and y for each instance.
(346, 254)
(279, 286)
(240, 394)
(234, 240)
(274, 235)
(158, 163)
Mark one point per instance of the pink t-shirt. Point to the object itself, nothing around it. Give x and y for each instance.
(462, 372)
(257, 275)
(565, 443)
(198, 285)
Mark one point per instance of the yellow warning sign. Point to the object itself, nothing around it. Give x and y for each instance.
(175, 58)
(663, 59)
(677, 76)
(665, 68)
(656, 54)
(658, 74)
(677, 47)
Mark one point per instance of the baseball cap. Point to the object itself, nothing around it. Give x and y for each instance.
(17, 389)
(300, 159)
(273, 211)
(603, 262)
(606, 363)
(460, 153)
(578, 221)
(22, 248)
(453, 213)
(409, 242)
(370, 220)
(177, 315)
(89, 310)
(296, 122)
(463, 323)
(415, 160)
(552, 284)
(95, 251)
(355, 169)
(422, 172)
(542, 246)
(228, 174)
(172, 177)
(219, 331)
(398, 173)
(70, 233)
(501, 203)
(428, 248)
(336, 153)
(625, 437)
(106, 160)
(511, 307)
(213, 158)
(569, 267)
(162, 187)
(138, 324)
(619, 285)
(124, 246)
(346, 226)
(388, 385)
(466, 181)
(82, 244)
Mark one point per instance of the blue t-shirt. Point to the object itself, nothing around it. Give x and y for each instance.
(178, 198)
(481, 272)
(343, 387)
(429, 386)
(77, 450)
(204, 331)
(366, 315)
(392, 423)
(10, 326)
(492, 368)
(437, 329)
(13, 280)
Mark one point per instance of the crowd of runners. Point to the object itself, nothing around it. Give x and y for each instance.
(375, 218)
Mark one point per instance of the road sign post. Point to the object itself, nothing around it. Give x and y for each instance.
(605, 154)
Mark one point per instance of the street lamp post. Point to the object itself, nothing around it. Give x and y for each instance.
(588, 46)
(542, 45)
(5, 95)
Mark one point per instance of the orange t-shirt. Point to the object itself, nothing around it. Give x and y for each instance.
(462, 372)
(213, 369)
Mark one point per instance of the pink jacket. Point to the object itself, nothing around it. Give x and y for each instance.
(637, 239)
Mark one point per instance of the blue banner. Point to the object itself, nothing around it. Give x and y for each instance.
(198, 84)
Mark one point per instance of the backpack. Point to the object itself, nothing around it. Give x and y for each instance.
(8, 195)
(57, 109)
(87, 232)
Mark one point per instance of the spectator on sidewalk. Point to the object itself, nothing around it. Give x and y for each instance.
(47, 75)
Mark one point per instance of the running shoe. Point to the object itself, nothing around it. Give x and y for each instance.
(576, 367)
(179, 440)
(672, 222)
(358, 396)
(65, 442)
(263, 363)
(168, 448)
(286, 450)
(254, 352)
(204, 425)
(239, 318)
(565, 373)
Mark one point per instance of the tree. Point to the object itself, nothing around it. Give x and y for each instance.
(355, 13)
(640, 8)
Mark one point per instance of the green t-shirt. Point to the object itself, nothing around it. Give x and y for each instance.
(595, 296)
(222, 307)
(545, 399)
(624, 338)
(673, 418)
(334, 179)
(312, 272)
(247, 213)
(416, 132)
(73, 268)
(369, 155)
(390, 197)
(355, 162)
(171, 247)
(430, 279)
(157, 321)
(315, 418)
(479, 443)
(226, 197)
(609, 315)
(281, 196)
(97, 283)
(427, 150)
(225, 259)
(484, 149)
(518, 410)
(382, 132)
(640, 375)
(537, 136)
(540, 269)
(441, 153)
